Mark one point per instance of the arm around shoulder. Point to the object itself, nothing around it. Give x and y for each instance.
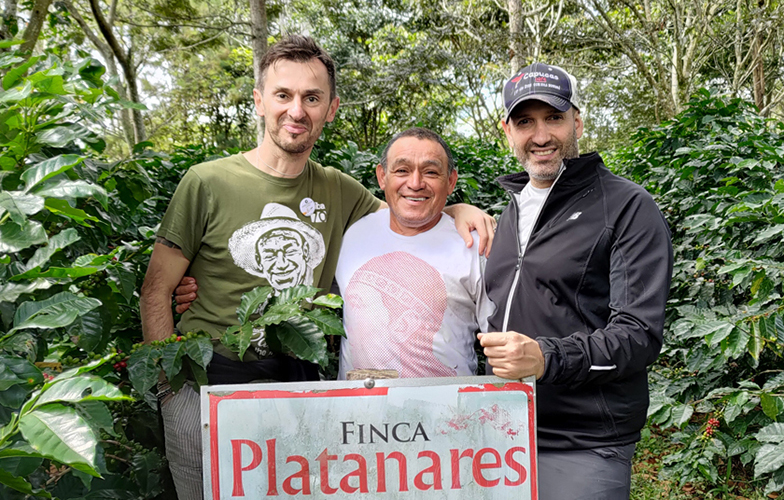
(167, 266)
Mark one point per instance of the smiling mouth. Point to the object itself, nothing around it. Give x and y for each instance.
(543, 153)
(415, 198)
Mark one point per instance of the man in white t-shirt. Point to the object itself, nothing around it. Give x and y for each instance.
(413, 293)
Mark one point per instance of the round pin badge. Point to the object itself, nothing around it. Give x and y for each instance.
(307, 207)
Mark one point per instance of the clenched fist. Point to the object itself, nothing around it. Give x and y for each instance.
(512, 355)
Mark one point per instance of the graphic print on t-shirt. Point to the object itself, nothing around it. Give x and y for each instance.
(279, 248)
(397, 304)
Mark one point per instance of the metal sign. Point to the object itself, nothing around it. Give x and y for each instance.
(446, 438)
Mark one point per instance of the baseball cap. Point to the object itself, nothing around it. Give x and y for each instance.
(541, 82)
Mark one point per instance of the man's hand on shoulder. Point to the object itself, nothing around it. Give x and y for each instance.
(185, 294)
(513, 355)
(470, 218)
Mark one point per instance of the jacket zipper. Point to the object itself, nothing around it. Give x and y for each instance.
(519, 265)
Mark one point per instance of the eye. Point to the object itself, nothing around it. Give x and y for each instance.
(312, 99)
(556, 117)
(523, 121)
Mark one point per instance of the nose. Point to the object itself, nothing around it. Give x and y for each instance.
(415, 181)
(281, 262)
(296, 111)
(541, 133)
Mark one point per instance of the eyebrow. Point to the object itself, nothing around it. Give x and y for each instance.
(316, 90)
(398, 161)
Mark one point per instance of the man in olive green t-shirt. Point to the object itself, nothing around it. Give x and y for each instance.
(267, 216)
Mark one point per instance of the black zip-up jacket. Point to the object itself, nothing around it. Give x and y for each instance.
(591, 289)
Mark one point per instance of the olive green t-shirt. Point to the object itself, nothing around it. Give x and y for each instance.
(242, 228)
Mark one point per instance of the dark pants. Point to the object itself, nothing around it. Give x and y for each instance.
(596, 474)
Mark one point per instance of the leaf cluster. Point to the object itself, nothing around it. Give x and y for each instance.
(284, 325)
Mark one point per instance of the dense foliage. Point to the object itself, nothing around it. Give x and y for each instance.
(75, 234)
(717, 171)
(77, 418)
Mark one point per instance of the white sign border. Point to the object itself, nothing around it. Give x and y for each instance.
(329, 385)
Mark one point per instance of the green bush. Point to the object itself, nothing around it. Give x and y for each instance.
(75, 237)
(716, 171)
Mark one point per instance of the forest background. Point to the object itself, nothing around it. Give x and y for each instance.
(105, 105)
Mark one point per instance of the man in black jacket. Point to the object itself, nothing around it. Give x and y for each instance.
(579, 271)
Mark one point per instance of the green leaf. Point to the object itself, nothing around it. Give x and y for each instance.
(769, 458)
(773, 433)
(199, 373)
(19, 205)
(64, 209)
(756, 342)
(74, 189)
(681, 414)
(296, 294)
(125, 280)
(769, 233)
(47, 169)
(778, 322)
(133, 105)
(97, 415)
(237, 338)
(57, 311)
(15, 237)
(56, 272)
(58, 137)
(171, 361)
(61, 434)
(303, 338)
(327, 321)
(770, 405)
(56, 243)
(17, 94)
(20, 484)
(735, 344)
(329, 300)
(199, 350)
(15, 371)
(87, 330)
(78, 389)
(277, 313)
(251, 301)
(143, 368)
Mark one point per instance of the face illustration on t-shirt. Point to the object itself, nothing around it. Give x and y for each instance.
(278, 247)
(394, 307)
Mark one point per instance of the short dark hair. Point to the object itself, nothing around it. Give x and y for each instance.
(422, 134)
(298, 48)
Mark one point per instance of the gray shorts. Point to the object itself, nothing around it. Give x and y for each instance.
(596, 474)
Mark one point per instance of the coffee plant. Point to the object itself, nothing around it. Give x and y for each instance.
(75, 237)
(717, 172)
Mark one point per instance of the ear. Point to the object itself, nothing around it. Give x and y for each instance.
(258, 102)
(452, 181)
(578, 124)
(333, 108)
(381, 176)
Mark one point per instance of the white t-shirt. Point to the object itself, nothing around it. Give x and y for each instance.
(529, 201)
(411, 303)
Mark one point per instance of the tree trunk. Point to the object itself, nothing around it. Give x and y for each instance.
(126, 63)
(33, 30)
(758, 74)
(111, 67)
(258, 21)
(516, 49)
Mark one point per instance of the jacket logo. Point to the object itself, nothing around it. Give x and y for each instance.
(574, 216)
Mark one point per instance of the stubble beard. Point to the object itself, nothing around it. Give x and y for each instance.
(549, 171)
(296, 148)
